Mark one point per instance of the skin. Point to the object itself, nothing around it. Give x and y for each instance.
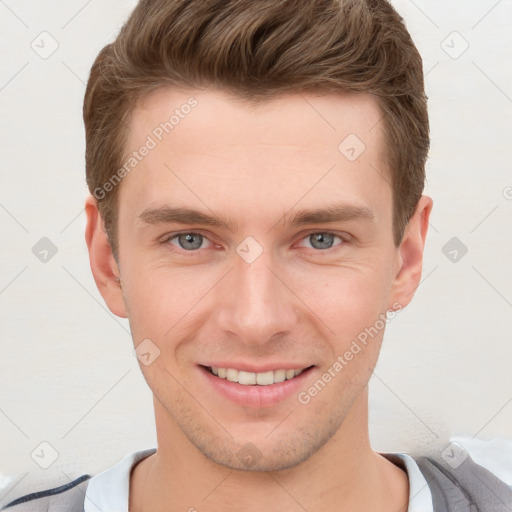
(294, 303)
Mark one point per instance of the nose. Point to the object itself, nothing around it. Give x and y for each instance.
(257, 303)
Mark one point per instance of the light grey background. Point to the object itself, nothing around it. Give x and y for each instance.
(68, 376)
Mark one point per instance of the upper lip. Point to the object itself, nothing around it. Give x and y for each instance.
(258, 368)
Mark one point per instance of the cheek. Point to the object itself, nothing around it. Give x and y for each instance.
(347, 301)
(155, 303)
(167, 304)
(344, 299)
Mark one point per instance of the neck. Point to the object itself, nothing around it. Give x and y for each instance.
(345, 474)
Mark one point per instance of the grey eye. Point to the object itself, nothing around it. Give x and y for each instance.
(190, 241)
(322, 240)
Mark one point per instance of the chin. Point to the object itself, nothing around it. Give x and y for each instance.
(262, 451)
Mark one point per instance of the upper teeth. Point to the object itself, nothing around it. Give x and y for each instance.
(250, 378)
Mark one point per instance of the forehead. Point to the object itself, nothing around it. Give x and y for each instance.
(304, 118)
(208, 149)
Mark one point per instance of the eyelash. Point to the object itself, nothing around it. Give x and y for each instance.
(344, 239)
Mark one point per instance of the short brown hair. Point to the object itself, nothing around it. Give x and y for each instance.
(258, 50)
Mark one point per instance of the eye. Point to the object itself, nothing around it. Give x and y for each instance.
(189, 241)
(322, 240)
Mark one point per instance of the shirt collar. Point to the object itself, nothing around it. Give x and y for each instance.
(109, 490)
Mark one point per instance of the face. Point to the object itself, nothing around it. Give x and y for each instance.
(252, 242)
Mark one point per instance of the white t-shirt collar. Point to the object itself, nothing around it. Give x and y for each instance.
(109, 490)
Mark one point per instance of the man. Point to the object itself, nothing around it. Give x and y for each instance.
(256, 171)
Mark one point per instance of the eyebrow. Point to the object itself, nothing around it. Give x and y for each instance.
(335, 213)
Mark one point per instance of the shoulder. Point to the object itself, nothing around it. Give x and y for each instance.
(453, 481)
(69, 497)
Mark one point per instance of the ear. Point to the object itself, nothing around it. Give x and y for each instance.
(103, 265)
(410, 255)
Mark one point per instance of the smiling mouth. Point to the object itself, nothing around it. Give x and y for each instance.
(256, 379)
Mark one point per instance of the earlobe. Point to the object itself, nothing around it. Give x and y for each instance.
(103, 265)
(410, 256)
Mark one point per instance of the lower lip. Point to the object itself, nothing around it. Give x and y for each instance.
(256, 396)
